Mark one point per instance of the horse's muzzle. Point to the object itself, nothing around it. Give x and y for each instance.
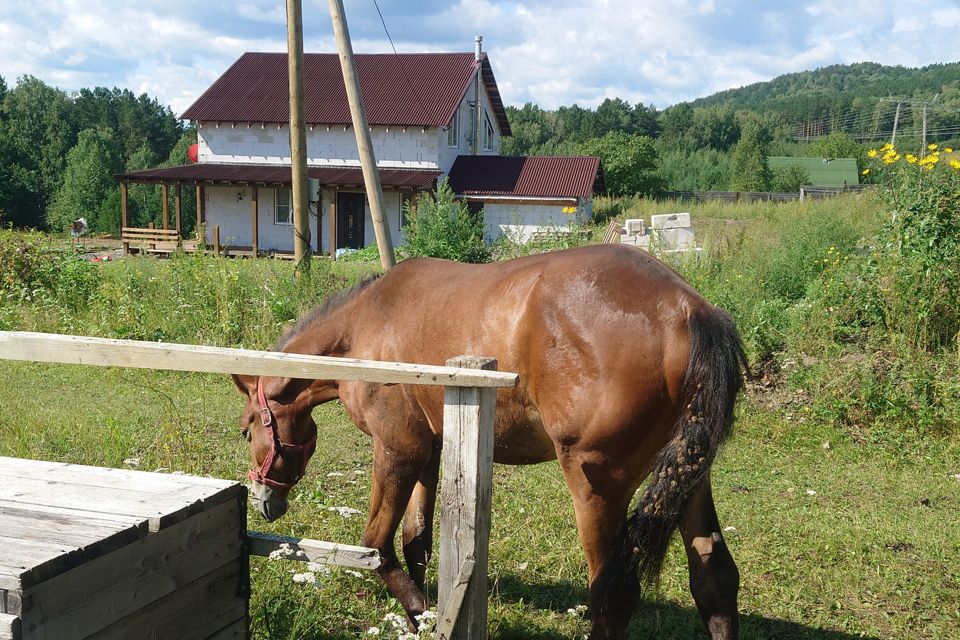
(269, 504)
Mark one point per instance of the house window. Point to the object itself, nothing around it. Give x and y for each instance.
(487, 132)
(283, 209)
(453, 131)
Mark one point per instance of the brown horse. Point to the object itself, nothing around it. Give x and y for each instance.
(625, 372)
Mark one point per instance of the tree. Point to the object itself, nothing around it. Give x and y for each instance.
(613, 115)
(443, 227)
(749, 168)
(87, 183)
(40, 132)
(715, 128)
(629, 163)
(143, 200)
(837, 144)
(788, 179)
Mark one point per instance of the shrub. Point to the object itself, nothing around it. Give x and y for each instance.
(442, 227)
(920, 245)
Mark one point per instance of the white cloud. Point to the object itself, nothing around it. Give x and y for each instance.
(548, 52)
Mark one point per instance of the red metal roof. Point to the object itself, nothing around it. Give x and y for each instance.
(251, 174)
(408, 89)
(541, 176)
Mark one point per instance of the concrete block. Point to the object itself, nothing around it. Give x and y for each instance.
(670, 221)
(674, 239)
(634, 226)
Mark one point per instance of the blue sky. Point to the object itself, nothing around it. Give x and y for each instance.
(550, 52)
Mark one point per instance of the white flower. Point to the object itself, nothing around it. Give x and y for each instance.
(373, 631)
(283, 551)
(345, 512)
(305, 578)
(335, 474)
(351, 572)
(316, 567)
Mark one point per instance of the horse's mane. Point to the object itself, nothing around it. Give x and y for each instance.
(329, 304)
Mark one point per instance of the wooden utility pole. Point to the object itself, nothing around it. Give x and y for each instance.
(368, 162)
(298, 136)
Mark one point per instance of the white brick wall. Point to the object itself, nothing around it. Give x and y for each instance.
(398, 147)
(520, 221)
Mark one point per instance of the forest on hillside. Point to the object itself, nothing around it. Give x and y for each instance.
(59, 151)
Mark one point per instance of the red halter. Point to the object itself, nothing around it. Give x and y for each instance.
(286, 450)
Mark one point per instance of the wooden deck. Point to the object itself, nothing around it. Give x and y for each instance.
(112, 553)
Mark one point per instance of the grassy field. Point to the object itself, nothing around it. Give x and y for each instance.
(841, 483)
(833, 542)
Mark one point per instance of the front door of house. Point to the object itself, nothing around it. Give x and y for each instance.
(350, 220)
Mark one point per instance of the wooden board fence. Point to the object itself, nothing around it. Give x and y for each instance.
(469, 404)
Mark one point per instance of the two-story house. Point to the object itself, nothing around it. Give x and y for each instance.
(430, 115)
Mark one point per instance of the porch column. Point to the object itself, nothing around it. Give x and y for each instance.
(255, 212)
(123, 214)
(166, 206)
(333, 225)
(177, 209)
(200, 214)
(319, 222)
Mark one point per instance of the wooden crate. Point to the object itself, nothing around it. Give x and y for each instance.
(88, 552)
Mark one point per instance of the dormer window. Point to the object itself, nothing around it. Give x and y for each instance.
(453, 130)
(487, 132)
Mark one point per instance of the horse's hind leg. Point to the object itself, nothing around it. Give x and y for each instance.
(395, 472)
(601, 494)
(418, 520)
(714, 579)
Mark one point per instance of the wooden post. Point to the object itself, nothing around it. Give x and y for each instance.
(200, 212)
(319, 223)
(177, 208)
(123, 215)
(467, 463)
(368, 162)
(255, 230)
(216, 240)
(166, 206)
(333, 225)
(298, 136)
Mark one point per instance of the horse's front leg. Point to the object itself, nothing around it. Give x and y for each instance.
(418, 520)
(395, 472)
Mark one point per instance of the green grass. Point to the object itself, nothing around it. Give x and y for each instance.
(871, 554)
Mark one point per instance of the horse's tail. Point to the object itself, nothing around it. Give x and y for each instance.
(710, 387)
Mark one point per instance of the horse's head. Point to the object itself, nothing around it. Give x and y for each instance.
(278, 424)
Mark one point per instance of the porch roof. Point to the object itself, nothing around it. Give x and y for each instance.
(213, 174)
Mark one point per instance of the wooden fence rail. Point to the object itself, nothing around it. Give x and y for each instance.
(469, 404)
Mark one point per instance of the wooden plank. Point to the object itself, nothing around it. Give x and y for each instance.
(43, 347)
(9, 627)
(451, 608)
(134, 576)
(148, 481)
(196, 610)
(306, 550)
(149, 232)
(159, 510)
(239, 630)
(466, 488)
(10, 601)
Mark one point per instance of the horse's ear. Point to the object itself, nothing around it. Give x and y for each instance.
(246, 384)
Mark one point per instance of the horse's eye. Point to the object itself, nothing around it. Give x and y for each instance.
(246, 434)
